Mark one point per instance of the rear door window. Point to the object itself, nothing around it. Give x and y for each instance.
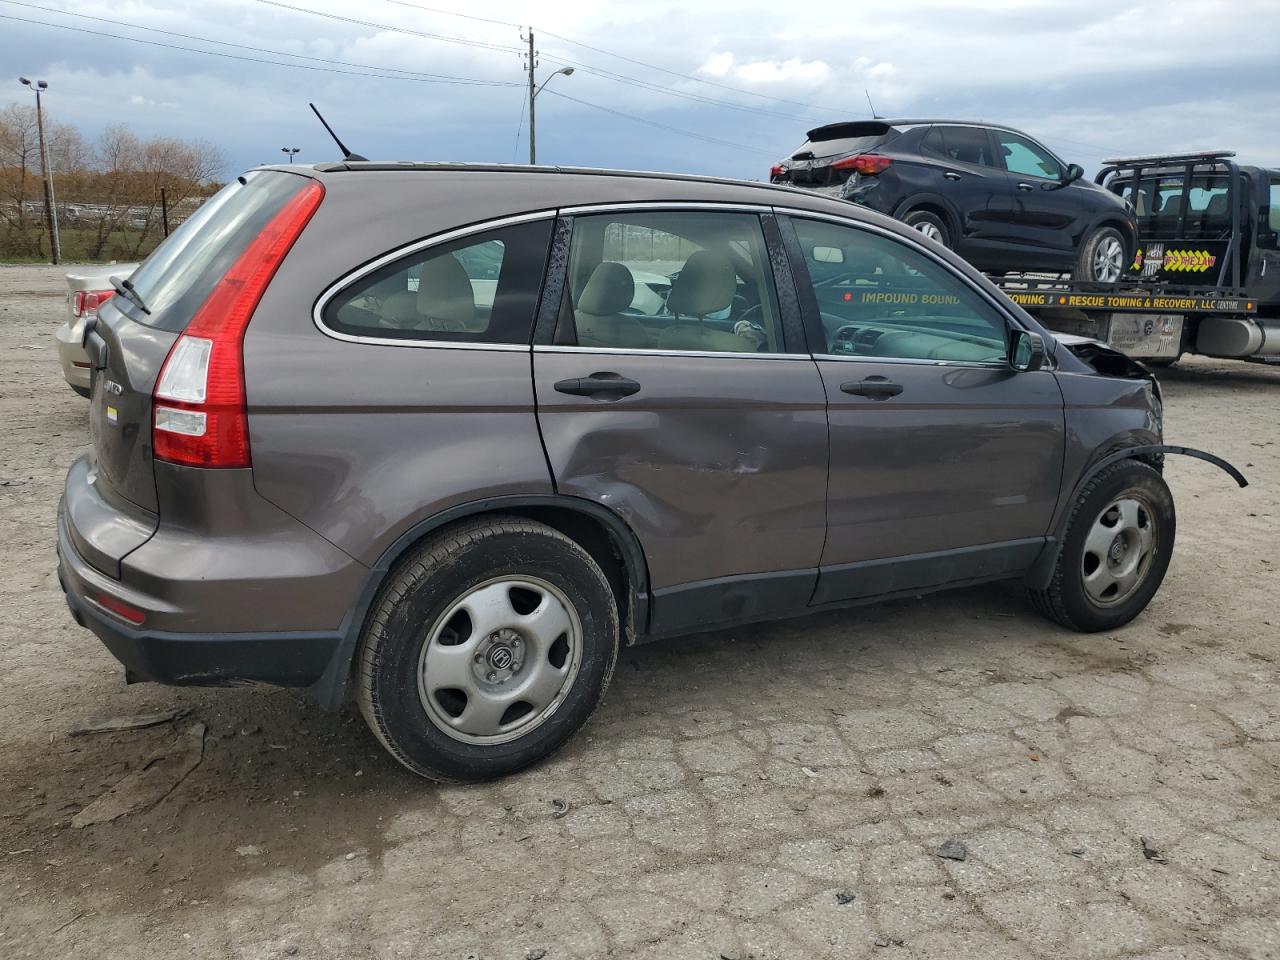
(482, 288)
(961, 144)
(184, 269)
(694, 281)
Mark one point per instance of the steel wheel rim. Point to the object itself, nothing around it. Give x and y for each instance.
(1118, 551)
(930, 230)
(1108, 260)
(495, 666)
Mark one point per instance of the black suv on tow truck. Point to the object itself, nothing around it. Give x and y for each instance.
(997, 197)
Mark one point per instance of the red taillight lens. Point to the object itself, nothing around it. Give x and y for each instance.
(200, 417)
(776, 171)
(868, 164)
(87, 302)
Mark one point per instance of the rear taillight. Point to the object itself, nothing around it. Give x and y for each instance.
(85, 303)
(868, 164)
(776, 171)
(200, 417)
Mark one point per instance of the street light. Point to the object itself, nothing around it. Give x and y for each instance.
(533, 94)
(290, 151)
(46, 172)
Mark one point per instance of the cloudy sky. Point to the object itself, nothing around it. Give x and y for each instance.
(709, 87)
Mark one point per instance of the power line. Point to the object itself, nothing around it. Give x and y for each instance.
(242, 46)
(274, 63)
(480, 44)
(618, 56)
(660, 126)
(577, 64)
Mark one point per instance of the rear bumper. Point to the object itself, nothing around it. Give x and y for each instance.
(289, 659)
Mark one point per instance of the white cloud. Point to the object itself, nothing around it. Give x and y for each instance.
(1113, 77)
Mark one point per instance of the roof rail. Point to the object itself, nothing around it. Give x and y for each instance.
(1170, 158)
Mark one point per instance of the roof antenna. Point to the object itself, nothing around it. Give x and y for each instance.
(874, 115)
(346, 154)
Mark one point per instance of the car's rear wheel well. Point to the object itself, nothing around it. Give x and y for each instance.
(605, 549)
(938, 211)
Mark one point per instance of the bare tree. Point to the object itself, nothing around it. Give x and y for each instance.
(116, 184)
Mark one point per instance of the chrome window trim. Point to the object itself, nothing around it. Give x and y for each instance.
(918, 361)
(659, 205)
(317, 312)
(645, 352)
(910, 243)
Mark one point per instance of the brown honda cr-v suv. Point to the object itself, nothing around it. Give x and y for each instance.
(442, 437)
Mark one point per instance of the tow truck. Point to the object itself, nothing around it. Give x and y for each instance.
(1206, 274)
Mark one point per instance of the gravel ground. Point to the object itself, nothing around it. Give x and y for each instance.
(771, 792)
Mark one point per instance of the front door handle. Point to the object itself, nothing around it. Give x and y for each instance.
(951, 175)
(1025, 186)
(877, 388)
(609, 386)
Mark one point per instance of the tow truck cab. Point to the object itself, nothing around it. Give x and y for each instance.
(1191, 231)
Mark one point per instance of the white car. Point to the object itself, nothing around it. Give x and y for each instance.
(87, 288)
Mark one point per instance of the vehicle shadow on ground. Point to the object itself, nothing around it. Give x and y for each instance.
(284, 786)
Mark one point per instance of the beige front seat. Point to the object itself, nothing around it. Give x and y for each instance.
(598, 315)
(445, 299)
(705, 285)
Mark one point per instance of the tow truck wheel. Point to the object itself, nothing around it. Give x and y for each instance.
(1115, 552)
(1102, 257)
(930, 224)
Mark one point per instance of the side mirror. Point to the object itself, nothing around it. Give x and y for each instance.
(1069, 176)
(1026, 351)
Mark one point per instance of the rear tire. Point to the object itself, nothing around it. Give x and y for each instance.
(930, 224)
(486, 649)
(1115, 552)
(1102, 257)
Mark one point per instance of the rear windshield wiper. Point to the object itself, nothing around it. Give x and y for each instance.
(125, 289)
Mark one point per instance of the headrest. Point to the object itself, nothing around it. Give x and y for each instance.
(1217, 206)
(609, 290)
(706, 284)
(445, 293)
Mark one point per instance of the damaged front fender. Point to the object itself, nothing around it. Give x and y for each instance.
(1042, 572)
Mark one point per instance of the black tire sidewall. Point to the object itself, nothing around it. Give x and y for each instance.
(403, 721)
(925, 216)
(1146, 485)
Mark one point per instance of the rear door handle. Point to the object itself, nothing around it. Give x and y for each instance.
(1025, 186)
(877, 388)
(951, 175)
(606, 385)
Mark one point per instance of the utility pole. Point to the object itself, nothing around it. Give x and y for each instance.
(46, 172)
(533, 92)
(535, 88)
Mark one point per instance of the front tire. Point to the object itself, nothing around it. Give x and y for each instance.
(1101, 258)
(486, 649)
(1116, 550)
(930, 224)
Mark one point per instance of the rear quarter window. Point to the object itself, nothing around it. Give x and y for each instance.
(482, 288)
(175, 280)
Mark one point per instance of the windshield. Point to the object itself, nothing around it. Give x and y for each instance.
(182, 271)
